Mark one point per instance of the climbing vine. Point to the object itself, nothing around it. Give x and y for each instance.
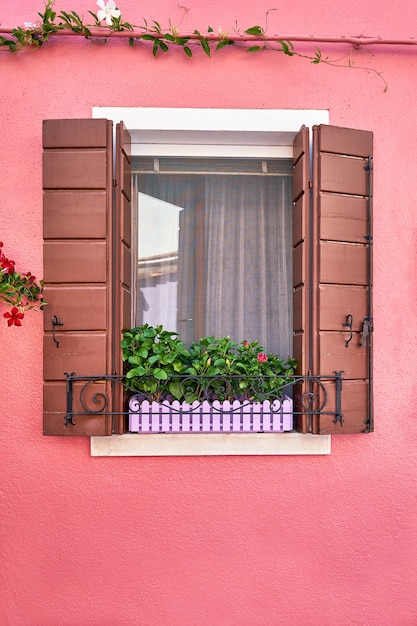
(108, 22)
(52, 23)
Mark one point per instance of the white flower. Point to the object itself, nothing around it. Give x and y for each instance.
(107, 11)
(29, 25)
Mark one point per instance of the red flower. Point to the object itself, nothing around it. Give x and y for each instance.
(262, 358)
(14, 317)
(6, 266)
(246, 343)
(29, 277)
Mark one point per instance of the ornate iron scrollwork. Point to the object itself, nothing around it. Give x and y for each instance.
(310, 393)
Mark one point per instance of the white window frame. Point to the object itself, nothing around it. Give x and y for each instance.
(258, 133)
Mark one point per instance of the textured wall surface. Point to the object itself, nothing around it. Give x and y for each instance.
(235, 541)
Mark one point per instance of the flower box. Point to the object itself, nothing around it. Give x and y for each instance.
(274, 416)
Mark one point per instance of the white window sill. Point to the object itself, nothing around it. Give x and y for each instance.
(210, 445)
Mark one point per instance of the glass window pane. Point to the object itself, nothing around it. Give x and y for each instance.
(215, 255)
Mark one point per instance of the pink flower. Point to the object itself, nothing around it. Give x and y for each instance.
(14, 317)
(262, 358)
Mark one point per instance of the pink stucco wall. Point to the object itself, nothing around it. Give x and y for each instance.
(235, 541)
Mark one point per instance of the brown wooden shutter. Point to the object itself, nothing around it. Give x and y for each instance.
(123, 254)
(81, 273)
(301, 265)
(340, 274)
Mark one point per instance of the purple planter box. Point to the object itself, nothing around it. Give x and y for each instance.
(215, 417)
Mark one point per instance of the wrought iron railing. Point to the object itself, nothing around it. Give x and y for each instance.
(311, 395)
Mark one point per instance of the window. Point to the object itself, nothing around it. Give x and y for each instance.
(88, 261)
(215, 248)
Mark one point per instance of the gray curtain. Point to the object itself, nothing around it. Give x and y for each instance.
(249, 260)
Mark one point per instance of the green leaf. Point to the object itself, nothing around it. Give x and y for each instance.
(148, 38)
(64, 16)
(163, 46)
(175, 389)
(136, 371)
(253, 49)
(206, 46)
(222, 44)
(317, 59)
(187, 51)
(287, 47)
(134, 359)
(255, 30)
(160, 374)
(94, 15)
(7, 42)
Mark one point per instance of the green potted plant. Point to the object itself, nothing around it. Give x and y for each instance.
(211, 373)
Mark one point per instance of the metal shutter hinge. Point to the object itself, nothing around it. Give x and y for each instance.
(366, 329)
(368, 167)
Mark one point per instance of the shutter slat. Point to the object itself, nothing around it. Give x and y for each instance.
(341, 174)
(334, 355)
(84, 133)
(84, 307)
(70, 214)
(75, 261)
(83, 353)
(335, 300)
(127, 223)
(342, 263)
(343, 218)
(54, 398)
(355, 404)
(348, 141)
(75, 169)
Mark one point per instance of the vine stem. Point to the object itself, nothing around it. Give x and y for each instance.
(357, 42)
